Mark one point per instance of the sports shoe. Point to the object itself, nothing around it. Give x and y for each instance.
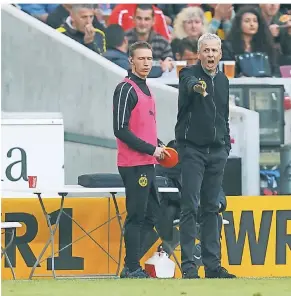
(219, 273)
(124, 272)
(137, 274)
(191, 273)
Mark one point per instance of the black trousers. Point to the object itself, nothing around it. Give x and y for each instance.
(143, 210)
(202, 174)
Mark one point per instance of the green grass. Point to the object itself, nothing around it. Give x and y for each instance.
(152, 287)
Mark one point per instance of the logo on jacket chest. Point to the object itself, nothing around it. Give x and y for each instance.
(203, 83)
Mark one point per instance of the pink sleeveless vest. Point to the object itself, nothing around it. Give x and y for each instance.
(142, 123)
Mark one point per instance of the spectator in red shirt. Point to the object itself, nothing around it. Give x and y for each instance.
(123, 14)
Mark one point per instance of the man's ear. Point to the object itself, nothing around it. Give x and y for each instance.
(220, 56)
(130, 60)
(178, 56)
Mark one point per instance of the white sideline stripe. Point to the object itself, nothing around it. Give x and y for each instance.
(119, 105)
(125, 106)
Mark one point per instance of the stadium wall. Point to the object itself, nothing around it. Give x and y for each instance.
(45, 71)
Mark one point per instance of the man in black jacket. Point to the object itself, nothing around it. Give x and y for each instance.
(79, 26)
(202, 135)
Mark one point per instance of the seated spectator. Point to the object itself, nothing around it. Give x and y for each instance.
(58, 17)
(187, 51)
(249, 34)
(117, 50)
(117, 46)
(190, 23)
(39, 11)
(219, 18)
(123, 14)
(280, 27)
(79, 27)
(143, 31)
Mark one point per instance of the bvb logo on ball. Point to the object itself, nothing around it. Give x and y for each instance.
(143, 181)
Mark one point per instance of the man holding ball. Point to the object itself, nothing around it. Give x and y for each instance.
(138, 148)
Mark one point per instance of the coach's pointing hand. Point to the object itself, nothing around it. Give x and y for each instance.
(200, 88)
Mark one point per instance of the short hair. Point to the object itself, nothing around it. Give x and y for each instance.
(76, 7)
(145, 7)
(138, 45)
(208, 36)
(114, 35)
(187, 44)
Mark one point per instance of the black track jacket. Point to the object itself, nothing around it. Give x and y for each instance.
(203, 121)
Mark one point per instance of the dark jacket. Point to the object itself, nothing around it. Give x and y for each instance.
(203, 121)
(59, 15)
(230, 55)
(98, 45)
(117, 57)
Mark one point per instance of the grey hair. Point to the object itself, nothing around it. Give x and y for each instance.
(207, 36)
(76, 7)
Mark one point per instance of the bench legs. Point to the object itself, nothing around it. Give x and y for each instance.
(52, 233)
(119, 219)
(3, 252)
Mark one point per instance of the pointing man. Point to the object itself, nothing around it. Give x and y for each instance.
(202, 134)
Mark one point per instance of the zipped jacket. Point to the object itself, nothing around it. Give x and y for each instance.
(203, 121)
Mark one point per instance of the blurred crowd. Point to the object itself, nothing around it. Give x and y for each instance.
(257, 36)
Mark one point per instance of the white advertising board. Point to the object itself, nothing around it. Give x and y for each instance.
(244, 131)
(32, 144)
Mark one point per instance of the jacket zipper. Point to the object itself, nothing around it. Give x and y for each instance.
(214, 108)
(188, 124)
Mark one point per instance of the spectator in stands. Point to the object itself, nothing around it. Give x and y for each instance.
(143, 31)
(102, 12)
(117, 50)
(117, 46)
(280, 27)
(79, 26)
(58, 17)
(123, 14)
(249, 34)
(190, 23)
(39, 11)
(219, 17)
(187, 51)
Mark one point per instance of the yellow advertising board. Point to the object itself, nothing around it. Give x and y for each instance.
(255, 243)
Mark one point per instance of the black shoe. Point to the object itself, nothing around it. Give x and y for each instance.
(191, 273)
(137, 274)
(219, 273)
(124, 272)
